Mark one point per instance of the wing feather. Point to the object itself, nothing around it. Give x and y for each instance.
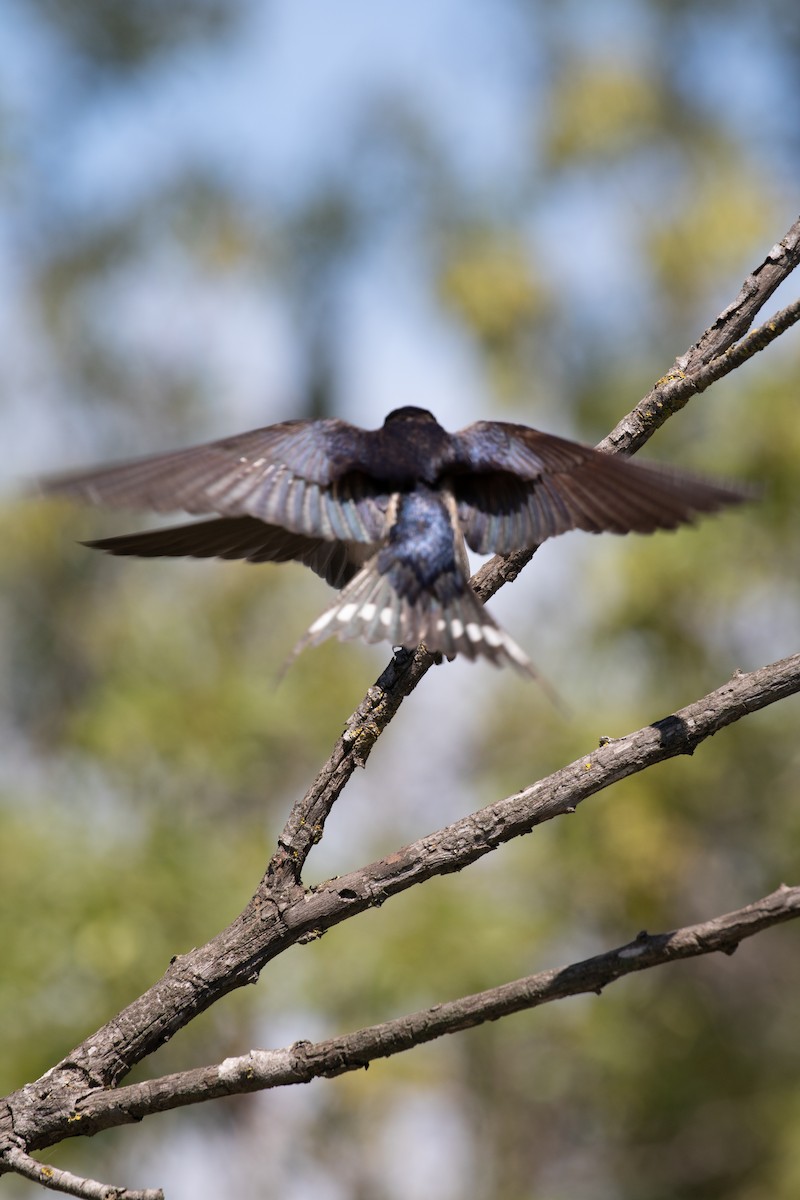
(516, 487)
(302, 475)
(243, 538)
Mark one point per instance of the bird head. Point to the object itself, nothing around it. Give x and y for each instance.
(410, 413)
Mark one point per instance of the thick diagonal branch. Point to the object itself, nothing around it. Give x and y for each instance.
(48, 1110)
(304, 1061)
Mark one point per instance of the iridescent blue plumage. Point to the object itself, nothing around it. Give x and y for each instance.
(419, 557)
(385, 513)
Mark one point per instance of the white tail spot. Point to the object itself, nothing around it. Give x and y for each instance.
(513, 650)
(322, 621)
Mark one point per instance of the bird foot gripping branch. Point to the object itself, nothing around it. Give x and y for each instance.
(386, 514)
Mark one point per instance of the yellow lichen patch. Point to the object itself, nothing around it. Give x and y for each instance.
(670, 377)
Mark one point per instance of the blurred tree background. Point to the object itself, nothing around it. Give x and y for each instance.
(218, 215)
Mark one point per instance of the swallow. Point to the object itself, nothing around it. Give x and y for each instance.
(385, 515)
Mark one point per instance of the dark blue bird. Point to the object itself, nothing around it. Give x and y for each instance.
(384, 514)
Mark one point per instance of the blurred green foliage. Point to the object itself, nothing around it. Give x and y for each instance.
(601, 110)
(151, 755)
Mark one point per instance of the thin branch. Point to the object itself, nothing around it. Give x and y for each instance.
(45, 1111)
(631, 433)
(362, 729)
(73, 1185)
(734, 321)
(304, 1061)
(674, 393)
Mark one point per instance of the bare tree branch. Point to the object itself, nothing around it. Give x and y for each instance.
(734, 321)
(676, 392)
(304, 1061)
(457, 845)
(708, 360)
(72, 1185)
(51, 1109)
(631, 433)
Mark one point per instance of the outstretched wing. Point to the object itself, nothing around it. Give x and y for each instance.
(244, 538)
(516, 487)
(300, 475)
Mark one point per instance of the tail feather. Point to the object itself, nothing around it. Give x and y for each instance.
(371, 608)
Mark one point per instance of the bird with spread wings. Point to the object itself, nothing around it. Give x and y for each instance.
(384, 514)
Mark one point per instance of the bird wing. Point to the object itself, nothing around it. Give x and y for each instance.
(244, 538)
(301, 475)
(516, 487)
